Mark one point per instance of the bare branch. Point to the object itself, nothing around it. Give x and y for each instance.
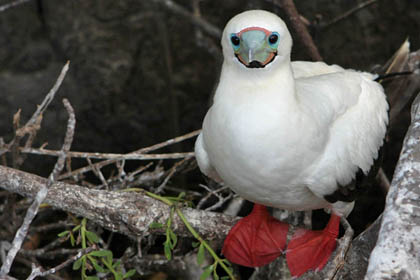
(33, 124)
(136, 153)
(171, 173)
(37, 270)
(41, 193)
(300, 28)
(12, 4)
(112, 156)
(348, 13)
(50, 96)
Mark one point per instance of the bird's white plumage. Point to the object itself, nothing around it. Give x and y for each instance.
(287, 134)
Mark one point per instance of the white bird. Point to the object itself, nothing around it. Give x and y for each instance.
(289, 135)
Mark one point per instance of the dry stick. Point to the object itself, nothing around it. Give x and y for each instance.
(300, 28)
(52, 226)
(210, 193)
(49, 255)
(98, 174)
(41, 108)
(50, 96)
(12, 4)
(172, 171)
(37, 271)
(42, 193)
(110, 156)
(139, 154)
(349, 13)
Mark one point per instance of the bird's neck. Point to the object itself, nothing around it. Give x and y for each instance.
(275, 84)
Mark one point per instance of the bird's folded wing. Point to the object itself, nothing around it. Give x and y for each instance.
(352, 108)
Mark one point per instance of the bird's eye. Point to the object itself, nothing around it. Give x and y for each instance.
(235, 40)
(273, 39)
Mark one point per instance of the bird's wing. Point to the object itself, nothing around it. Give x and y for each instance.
(302, 69)
(352, 109)
(203, 160)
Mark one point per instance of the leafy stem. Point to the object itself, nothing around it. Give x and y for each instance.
(173, 203)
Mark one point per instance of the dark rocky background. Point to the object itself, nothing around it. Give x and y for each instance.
(139, 73)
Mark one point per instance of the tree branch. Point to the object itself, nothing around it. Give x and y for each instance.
(43, 190)
(300, 28)
(127, 213)
(396, 252)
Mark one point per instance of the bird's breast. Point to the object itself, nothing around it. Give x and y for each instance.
(261, 150)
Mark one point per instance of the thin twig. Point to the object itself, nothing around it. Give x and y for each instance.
(51, 226)
(34, 122)
(171, 172)
(110, 156)
(137, 153)
(12, 4)
(98, 174)
(50, 96)
(36, 271)
(210, 193)
(349, 13)
(221, 201)
(42, 193)
(50, 255)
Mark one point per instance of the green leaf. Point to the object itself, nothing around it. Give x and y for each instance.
(92, 278)
(101, 253)
(156, 225)
(76, 228)
(64, 233)
(167, 250)
(225, 278)
(195, 244)
(206, 273)
(77, 264)
(200, 254)
(72, 240)
(92, 237)
(174, 239)
(118, 276)
(215, 276)
(129, 273)
(97, 267)
(181, 195)
(116, 264)
(226, 262)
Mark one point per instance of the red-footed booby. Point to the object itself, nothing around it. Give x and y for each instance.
(291, 135)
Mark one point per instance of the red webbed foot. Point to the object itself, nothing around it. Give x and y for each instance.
(311, 249)
(256, 239)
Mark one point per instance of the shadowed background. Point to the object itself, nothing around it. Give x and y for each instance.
(143, 71)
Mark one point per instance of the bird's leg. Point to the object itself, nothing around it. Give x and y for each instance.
(311, 249)
(256, 239)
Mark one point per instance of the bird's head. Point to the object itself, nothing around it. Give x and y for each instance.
(256, 39)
